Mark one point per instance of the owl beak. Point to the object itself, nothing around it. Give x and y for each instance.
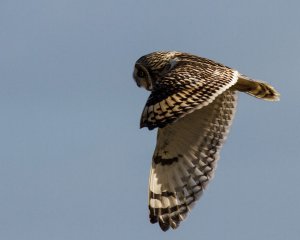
(144, 83)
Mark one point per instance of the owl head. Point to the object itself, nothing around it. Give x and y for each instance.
(151, 67)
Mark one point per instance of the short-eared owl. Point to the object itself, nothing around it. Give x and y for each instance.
(192, 103)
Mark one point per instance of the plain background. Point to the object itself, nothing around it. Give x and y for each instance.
(74, 163)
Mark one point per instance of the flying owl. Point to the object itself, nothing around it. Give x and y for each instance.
(192, 103)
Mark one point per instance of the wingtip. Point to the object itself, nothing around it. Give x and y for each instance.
(164, 225)
(167, 223)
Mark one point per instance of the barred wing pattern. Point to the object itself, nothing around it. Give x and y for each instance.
(185, 159)
(187, 87)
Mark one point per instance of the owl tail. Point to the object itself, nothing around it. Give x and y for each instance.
(257, 89)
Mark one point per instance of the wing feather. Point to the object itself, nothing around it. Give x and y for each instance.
(186, 88)
(185, 159)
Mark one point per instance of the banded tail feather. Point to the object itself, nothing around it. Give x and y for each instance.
(257, 89)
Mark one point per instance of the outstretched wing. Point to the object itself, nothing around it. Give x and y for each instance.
(186, 87)
(185, 159)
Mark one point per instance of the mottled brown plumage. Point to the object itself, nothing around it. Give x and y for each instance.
(192, 103)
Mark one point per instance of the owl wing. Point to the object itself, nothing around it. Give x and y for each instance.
(187, 87)
(185, 159)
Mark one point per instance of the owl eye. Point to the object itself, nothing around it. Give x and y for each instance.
(141, 73)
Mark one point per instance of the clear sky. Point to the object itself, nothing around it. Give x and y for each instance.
(74, 163)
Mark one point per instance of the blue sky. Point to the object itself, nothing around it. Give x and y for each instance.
(74, 163)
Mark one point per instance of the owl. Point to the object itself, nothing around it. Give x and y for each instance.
(192, 104)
